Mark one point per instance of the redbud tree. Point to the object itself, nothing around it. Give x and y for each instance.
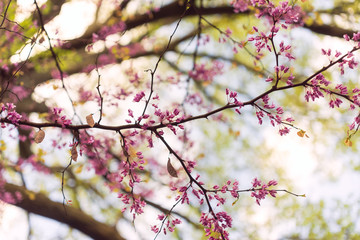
(116, 128)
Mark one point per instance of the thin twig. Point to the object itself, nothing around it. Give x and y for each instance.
(5, 12)
(98, 89)
(152, 72)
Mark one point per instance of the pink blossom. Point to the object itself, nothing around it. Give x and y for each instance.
(58, 118)
(260, 193)
(272, 193)
(272, 183)
(216, 224)
(289, 56)
(256, 182)
(228, 32)
(290, 119)
(176, 111)
(337, 102)
(269, 79)
(20, 93)
(109, 30)
(279, 110)
(283, 131)
(11, 114)
(337, 54)
(155, 229)
(343, 89)
(239, 5)
(260, 115)
(313, 93)
(356, 36)
(206, 73)
(85, 95)
(139, 96)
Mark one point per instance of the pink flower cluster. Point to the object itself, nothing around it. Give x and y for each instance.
(274, 120)
(285, 49)
(85, 95)
(232, 99)
(355, 97)
(355, 123)
(11, 114)
(355, 38)
(313, 92)
(170, 224)
(58, 118)
(34, 162)
(9, 197)
(319, 79)
(284, 130)
(259, 190)
(239, 5)
(226, 187)
(279, 17)
(166, 117)
(349, 59)
(335, 102)
(216, 224)
(137, 206)
(139, 96)
(108, 30)
(206, 73)
(284, 11)
(328, 53)
(20, 92)
(261, 40)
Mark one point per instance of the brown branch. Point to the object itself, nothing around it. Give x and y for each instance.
(175, 9)
(188, 119)
(152, 72)
(329, 30)
(4, 16)
(41, 205)
(31, 78)
(172, 10)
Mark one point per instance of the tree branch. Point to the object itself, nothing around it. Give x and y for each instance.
(333, 31)
(40, 204)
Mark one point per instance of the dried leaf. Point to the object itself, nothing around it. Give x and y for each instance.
(79, 169)
(39, 136)
(90, 120)
(31, 195)
(74, 153)
(257, 68)
(301, 133)
(42, 39)
(348, 142)
(132, 151)
(171, 170)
